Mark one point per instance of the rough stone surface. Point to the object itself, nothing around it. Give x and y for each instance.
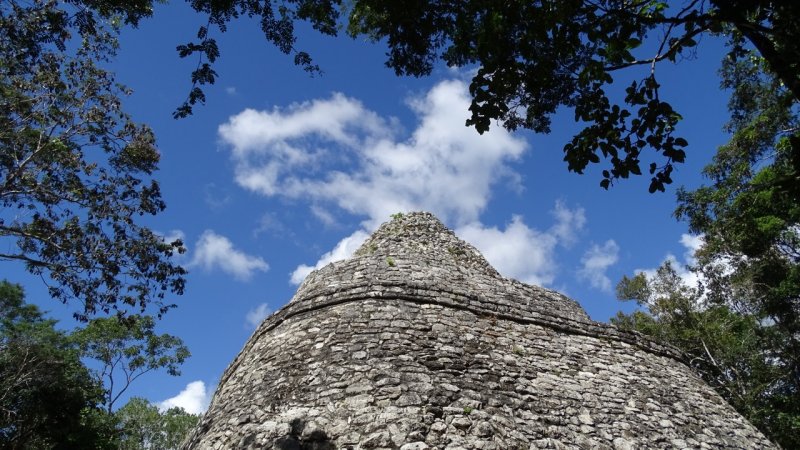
(416, 342)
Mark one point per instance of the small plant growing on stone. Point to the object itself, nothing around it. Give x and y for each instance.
(397, 216)
(367, 250)
(468, 410)
(390, 261)
(456, 252)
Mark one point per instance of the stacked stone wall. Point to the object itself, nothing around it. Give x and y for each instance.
(389, 373)
(417, 342)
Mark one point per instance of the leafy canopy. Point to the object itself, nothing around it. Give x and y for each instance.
(126, 350)
(75, 170)
(530, 58)
(48, 399)
(741, 329)
(143, 426)
(534, 57)
(749, 215)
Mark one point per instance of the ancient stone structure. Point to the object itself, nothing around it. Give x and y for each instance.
(416, 342)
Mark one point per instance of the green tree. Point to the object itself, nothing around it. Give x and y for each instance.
(126, 350)
(75, 170)
(750, 217)
(732, 350)
(531, 57)
(48, 399)
(143, 426)
(747, 320)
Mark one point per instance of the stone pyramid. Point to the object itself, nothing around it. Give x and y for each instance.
(416, 342)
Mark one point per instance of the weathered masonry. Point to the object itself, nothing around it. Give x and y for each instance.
(416, 342)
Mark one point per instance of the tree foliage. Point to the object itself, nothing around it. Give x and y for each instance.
(742, 330)
(732, 350)
(126, 350)
(750, 212)
(48, 399)
(74, 168)
(530, 58)
(277, 21)
(749, 215)
(534, 57)
(145, 427)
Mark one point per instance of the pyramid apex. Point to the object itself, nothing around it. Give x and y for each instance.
(417, 251)
(422, 238)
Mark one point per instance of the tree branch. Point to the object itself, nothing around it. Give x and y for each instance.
(660, 56)
(756, 35)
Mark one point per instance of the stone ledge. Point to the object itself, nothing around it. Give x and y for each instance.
(423, 294)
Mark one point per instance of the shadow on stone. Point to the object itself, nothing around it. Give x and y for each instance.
(315, 440)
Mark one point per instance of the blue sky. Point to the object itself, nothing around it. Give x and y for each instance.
(281, 172)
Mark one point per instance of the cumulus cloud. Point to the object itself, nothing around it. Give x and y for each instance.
(517, 252)
(337, 151)
(596, 261)
(522, 252)
(691, 244)
(568, 223)
(193, 399)
(257, 314)
(213, 251)
(343, 250)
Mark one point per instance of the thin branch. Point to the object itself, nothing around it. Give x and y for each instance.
(660, 56)
(22, 257)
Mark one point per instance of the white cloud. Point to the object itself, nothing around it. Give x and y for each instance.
(522, 252)
(215, 251)
(343, 250)
(517, 252)
(691, 245)
(193, 399)
(336, 151)
(596, 261)
(568, 223)
(257, 314)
